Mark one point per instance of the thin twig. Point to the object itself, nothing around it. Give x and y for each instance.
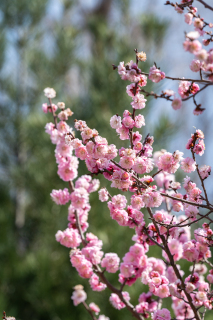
(210, 207)
(206, 5)
(185, 79)
(201, 180)
(89, 310)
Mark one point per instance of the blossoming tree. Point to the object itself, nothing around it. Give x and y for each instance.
(149, 179)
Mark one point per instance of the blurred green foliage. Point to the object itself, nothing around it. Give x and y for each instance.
(73, 53)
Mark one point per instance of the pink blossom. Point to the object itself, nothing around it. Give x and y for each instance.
(130, 71)
(95, 284)
(190, 253)
(194, 195)
(126, 162)
(124, 132)
(156, 75)
(136, 202)
(198, 23)
(186, 88)
(65, 114)
(139, 121)
(116, 302)
(115, 122)
(103, 317)
(195, 65)
(63, 149)
(162, 291)
(80, 125)
(100, 151)
(210, 277)
(63, 127)
(85, 269)
(93, 307)
(111, 152)
(143, 165)
(128, 122)
(60, 196)
(103, 195)
(168, 163)
(138, 101)
(142, 81)
(93, 254)
(188, 18)
(49, 128)
(79, 295)
(177, 205)
(205, 171)
(49, 93)
(143, 307)
(176, 103)
(119, 201)
(136, 137)
(152, 199)
(199, 148)
(162, 314)
(81, 152)
(200, 295)
(79, 197)
(127, 270)
(191, 212)
(76, 143)
(69, 238)
(192, 46)
(86, 133)
(132, 90)
(91, 165)
(188, 165)
(120, 216)
(66, 172)
(110, 262)
(202, 55)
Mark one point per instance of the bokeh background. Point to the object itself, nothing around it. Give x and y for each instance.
(70, 46)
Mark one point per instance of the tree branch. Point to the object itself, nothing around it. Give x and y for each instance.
(206, 5)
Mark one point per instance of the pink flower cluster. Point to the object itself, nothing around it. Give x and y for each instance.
(134, 262)
(193, 193)
(146, 304)
(196, 143)
(186, 88)
(131, 72)
(169, 162)
(128, 122)
(93, 149)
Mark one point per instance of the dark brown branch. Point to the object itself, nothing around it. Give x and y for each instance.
(210, 207)
(158, 244)
(185, 79)
(206, 5)
(193, 95)
(201, 180)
